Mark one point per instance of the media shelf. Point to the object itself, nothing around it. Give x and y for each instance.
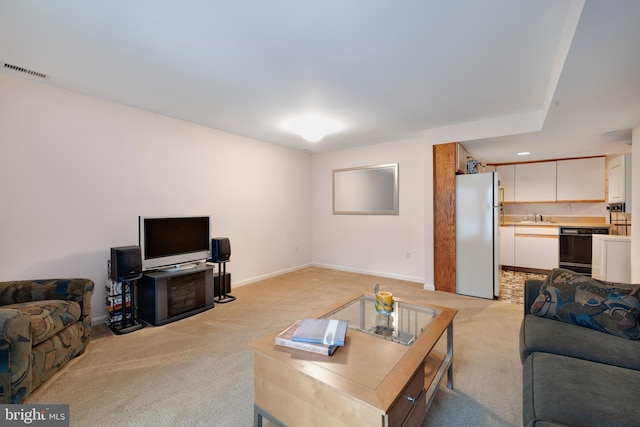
(121, 306)
(165, 297)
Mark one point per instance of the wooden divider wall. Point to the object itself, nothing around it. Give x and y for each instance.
(444, 216)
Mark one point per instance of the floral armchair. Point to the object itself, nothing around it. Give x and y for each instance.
(43, 325)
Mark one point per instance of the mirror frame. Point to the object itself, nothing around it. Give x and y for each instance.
(339, 175)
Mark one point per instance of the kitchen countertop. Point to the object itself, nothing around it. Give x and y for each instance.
(556, 224)
(557, 221)
(614, 237)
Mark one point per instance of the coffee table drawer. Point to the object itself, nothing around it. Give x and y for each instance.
(412, 397)
(417, 414)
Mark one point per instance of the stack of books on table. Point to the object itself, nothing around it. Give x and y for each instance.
(321, 336)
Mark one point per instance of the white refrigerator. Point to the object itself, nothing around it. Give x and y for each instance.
(477, 219)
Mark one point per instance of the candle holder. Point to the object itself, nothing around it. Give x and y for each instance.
(384, 307)
(384, 301)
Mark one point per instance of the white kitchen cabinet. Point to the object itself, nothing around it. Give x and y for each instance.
(581, 180)
(462, 157)
(507, 255)
(620, 180)
(536, 247)
(535, 182)
(506, 175)
(611, 258)
(616, 180)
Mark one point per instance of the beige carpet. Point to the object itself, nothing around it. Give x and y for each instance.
(199, 371)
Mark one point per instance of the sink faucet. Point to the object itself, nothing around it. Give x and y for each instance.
(541, 220)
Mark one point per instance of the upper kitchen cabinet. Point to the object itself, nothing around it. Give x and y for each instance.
(462, 158)
(506, 175)
(620, 180)
(581, 180)
(535, 182)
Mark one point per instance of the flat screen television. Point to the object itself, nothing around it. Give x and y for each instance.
(174, 243)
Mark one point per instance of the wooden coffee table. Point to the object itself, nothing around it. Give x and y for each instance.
(386, 374)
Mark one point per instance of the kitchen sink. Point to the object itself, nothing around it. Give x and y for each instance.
(530, 221)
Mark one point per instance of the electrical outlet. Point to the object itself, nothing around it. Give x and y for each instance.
(408, 255)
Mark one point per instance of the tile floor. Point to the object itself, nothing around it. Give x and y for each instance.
(512, 285)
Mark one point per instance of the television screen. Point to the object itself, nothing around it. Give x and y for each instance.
(173, 240)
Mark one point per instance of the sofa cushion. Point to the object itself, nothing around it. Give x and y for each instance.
(551, 336)
(50, 355)
(559, 390)
(582, 300)
(48, 317)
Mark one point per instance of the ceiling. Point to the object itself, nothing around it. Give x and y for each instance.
(548, 76)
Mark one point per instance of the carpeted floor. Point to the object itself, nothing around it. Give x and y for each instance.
(199, 371)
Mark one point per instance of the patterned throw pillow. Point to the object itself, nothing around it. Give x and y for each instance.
(582, 300)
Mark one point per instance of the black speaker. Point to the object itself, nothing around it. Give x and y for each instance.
(126, 263)
(220, 249)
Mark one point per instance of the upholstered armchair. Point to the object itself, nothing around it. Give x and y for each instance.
(43, 325)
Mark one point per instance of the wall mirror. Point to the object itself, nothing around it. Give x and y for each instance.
(366, 190)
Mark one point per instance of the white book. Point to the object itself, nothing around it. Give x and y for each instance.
(283, 339)
(321, 331)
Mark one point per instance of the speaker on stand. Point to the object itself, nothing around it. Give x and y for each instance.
(221, 253)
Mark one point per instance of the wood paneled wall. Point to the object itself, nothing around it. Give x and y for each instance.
(444, 216)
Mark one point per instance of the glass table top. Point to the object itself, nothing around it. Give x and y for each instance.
(404, 324)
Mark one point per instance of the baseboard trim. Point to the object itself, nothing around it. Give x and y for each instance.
(429, 287)
(99, 320)
(270, 275)
(370, 272)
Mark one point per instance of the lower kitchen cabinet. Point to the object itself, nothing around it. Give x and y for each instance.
(536, 247)
(611, 258)
(506, 248)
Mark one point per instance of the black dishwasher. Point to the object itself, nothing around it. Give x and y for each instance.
(575, 247)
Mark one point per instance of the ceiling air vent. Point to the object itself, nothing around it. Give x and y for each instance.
(25, 70)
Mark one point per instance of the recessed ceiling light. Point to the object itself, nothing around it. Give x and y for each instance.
(524, 153)
(313, 127)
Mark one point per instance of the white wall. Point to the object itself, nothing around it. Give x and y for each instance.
(373, 244)
(635, 205)
(429, 241)
(76, 171)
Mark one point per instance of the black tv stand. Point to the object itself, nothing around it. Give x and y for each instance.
(169, 296)
(223, 298)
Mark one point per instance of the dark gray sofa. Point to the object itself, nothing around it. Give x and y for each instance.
(576, 376)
